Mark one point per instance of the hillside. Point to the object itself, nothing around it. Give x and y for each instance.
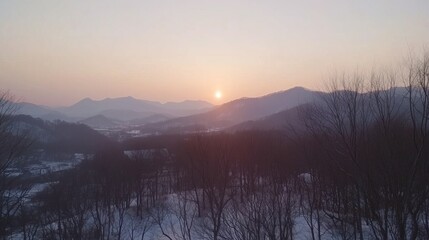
(122, 108)
(100, 121)
(238, 111)
(60, 136)
(278, 121)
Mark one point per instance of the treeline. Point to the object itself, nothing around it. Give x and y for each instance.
(91, 201)
(250, 185)
(208, 176)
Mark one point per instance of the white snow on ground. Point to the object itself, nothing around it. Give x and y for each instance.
(171, 225)
(12, 172)
(37, 188)
(133, 226)
(46, 167)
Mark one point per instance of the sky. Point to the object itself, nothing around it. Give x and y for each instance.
(58, 52)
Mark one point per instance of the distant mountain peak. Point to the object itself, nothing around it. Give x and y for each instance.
(299, 88)
(240, 110)
(122, 98)
(85, 100)
(294, 89)
(129, 108)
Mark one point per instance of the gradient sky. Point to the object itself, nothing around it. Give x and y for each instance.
(57, 52)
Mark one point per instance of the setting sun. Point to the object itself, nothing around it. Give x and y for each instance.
(218, 94)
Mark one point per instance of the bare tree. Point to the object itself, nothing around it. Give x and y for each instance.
(375, 140)
(13, 143)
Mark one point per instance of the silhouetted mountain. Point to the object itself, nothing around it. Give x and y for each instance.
(123, 109)
(54, 115)
(291, 118)
(188, 105)
(60, 136)
(124, 114)
(42, 112)
(151, 119)
(279, 121)
(128, 108)
(32, 109)
(238, 111)
(100, 121)
(88, 107)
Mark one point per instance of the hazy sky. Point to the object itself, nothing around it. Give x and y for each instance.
(57, 52)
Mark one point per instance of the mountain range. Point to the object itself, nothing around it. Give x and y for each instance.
(116, 109)
(236, 112)
(276, 111)
(269, 112)
(151, 116)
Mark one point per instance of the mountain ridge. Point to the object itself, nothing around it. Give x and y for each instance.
(238, 111)
(121, 108)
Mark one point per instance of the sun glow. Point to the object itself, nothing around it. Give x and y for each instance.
(218, 94)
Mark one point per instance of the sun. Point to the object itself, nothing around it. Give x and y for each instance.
(218, 94)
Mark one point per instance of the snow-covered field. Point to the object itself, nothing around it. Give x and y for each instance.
(176, 217)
